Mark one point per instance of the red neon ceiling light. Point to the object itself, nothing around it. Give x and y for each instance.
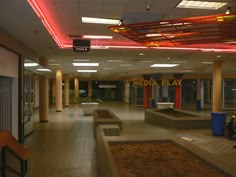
(143, 42)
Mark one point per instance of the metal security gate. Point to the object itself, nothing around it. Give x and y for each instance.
(5, 103)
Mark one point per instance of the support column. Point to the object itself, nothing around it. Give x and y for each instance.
(178, 92)
(43, 93)
(67, 90)
(76, 91)
(58, 90)
(90, 89)
(54, 91)
(217, 86)
(198, 101)
(146, 91)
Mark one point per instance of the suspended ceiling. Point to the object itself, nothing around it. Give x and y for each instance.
(19, 19)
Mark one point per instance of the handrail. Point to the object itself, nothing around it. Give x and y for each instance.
(6, 139)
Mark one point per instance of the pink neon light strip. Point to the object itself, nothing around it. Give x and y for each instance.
(44, 20)
(40, 14)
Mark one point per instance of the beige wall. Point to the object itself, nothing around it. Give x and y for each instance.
(8, 63)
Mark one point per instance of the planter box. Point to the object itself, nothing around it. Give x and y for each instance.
(89, 107)
(164, 105)
(105, 117)
(187, 121)
(107, 166)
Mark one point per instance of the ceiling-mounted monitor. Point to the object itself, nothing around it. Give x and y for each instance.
(81, 45)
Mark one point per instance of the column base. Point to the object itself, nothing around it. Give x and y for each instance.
(58, 110)
(43, 121)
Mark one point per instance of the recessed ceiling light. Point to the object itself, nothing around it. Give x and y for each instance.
(201, 4)
(30, 64)
(85, 64)
(43, 69)
(179, 61)
(218, 56)
(97, 37)
(81, 60)
(207, 62)
(164, 65)
(100, 20)
(114, 60)
(153, 35)
(141, 54)
(86, 71)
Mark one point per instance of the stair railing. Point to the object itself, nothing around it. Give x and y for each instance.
(9, 144)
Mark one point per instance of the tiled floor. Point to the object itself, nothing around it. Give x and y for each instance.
(64, 147)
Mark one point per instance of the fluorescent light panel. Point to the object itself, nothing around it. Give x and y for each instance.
(81, 60)
(207, 62)
(164, 65)
(85, 64)
(100, 20)
(97, 37)
(114, 60)
(30, 64)
(43, 69)
(201, 4)
(86, 71)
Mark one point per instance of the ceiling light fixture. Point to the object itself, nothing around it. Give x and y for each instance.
(201, 4)
(85, 64)
(30, 64)
(81, 60)
(207, 62)
(100, 20)
(120, 22)
(114, 60)
(87, 71)
(164, 65)
(44, 70)
(228, 11)
(97, 37)
(148, 4)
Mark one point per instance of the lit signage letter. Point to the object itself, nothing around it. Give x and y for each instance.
(175, 83)
(153, 82)
(146, 82)
(163, 82)
(179, 82)
(136, 82)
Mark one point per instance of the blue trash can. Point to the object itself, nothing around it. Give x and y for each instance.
(218, 123)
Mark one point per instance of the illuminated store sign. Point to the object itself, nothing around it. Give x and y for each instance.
(175, 82)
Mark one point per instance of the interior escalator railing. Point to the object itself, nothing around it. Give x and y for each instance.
(9, 145)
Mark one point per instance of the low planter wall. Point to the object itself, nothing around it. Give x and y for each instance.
(105, 117)
(188, 121)
(89, 107)
(107, 166)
